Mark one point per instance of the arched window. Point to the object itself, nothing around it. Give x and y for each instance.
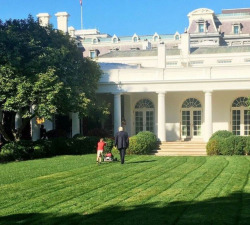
(144, 103)
(240, 116)
(191, 118)
(156, 38)
(191, 103)
(241, 101)
(144, 116)
(135, 39)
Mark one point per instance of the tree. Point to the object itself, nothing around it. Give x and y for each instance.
(42, 68)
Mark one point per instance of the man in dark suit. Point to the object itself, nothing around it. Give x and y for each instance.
(121, 142)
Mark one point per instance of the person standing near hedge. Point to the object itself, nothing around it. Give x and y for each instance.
(122, 143)
(100, 149)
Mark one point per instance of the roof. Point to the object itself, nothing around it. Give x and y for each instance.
(138, 53)
(221, 49)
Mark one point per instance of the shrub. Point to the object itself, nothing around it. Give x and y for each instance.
(214, 146)
(59, 146)
(109, 145)
(234, 145)
(82, 145)
(20, 150)
(142, 143)
(247, 147)
(222, 134)
(42, 148)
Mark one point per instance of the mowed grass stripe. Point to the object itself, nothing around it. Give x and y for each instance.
(146, 190)
(16, 172)
(47, 184)
(86, 184)
(222, 188)
(103, 196)
(177, 193)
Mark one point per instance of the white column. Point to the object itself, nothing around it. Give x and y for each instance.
(35, 128)
(161, 116)
(18, 120)
(208, 116)
(75, 124)
(117, 112)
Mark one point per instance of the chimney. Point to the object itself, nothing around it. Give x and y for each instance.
(62, 21)
(185, 45)
(161, 55)
(43, 19)
(72, 31)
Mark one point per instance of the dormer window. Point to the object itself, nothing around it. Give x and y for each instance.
(92, 54)
(201, 28)
(115, 40)
(135, 38)
(95, 41)
(236, 29)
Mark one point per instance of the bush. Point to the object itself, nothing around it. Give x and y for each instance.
(234, 145)
(109, 145)
(42, 148)
(247, 147)
(214, 146)
(21, 150)
(221, 134)
(82, 145)
(142, 143)
(225, 143)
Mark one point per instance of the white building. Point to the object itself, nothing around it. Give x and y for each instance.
(181, 86)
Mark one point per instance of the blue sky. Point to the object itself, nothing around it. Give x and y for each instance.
(120, 17)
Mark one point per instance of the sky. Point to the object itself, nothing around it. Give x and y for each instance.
(120, 17)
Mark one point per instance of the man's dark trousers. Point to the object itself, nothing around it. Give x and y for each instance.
(122, 154)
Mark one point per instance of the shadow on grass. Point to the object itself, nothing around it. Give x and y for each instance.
(233, 209)
(143, 161)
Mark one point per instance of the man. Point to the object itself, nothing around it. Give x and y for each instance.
(122, 143)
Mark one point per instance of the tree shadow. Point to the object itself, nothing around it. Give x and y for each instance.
(233, 209)
(143, 161)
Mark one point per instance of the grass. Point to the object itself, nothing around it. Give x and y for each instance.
(145, 190)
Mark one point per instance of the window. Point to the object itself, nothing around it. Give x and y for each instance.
(92, 54)
(201, 28)
(135, 39)
(236, 29)
(156, 38)
(240, 117)
(95, 41)
(191, 102)
(177, 37)
(115, 40)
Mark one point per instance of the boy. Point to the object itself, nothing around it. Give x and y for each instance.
(100, 149)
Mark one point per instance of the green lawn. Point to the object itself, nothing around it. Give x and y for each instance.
(145, 190)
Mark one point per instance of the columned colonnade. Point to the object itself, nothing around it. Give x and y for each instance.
(207, 132)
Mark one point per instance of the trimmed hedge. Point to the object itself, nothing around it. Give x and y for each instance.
(25, 150)
(225, 143)
(142, 143)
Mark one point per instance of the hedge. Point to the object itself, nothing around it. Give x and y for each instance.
(142, 143)
(225, 143)
(25, 150)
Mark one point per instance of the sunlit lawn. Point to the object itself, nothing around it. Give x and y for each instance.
(145, 190)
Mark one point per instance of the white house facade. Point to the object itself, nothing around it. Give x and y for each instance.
(181, 86)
